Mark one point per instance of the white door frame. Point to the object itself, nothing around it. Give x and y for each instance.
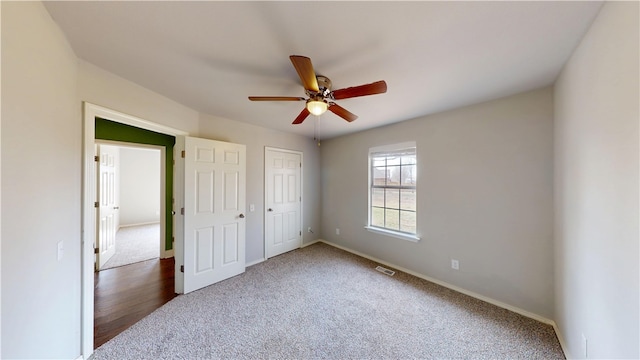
(264, 230)
(88, 231)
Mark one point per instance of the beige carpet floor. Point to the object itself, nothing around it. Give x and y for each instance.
(135, 244)
(324, 303)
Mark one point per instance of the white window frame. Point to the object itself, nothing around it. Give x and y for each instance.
(381, 230)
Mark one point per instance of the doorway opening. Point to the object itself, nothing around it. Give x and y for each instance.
(132, 198)
(105, 124)
(131, 188)
(131, 281)
(107, 130)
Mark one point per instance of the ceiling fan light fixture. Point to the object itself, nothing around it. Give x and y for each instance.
(320, 96)
(317, 107)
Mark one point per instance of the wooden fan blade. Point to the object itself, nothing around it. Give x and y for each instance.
(377, 87)
(342, 112)
(275, 98)
(303, 115)
(305, 72)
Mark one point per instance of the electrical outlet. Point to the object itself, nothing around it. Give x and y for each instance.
(337, 231)
(455, 265)
(252, 207)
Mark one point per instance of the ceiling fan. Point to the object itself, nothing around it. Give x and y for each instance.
(319, 94)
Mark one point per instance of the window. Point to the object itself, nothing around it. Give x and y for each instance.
(392, 190)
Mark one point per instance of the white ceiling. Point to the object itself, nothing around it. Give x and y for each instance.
(434, 56)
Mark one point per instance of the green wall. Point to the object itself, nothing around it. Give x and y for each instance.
(110, 130)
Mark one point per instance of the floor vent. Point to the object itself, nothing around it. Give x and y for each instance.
(385, 271)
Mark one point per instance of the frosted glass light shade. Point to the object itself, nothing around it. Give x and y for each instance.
(317, 107)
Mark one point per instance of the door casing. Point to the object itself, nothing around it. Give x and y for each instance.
(88, 231)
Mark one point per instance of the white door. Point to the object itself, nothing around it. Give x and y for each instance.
(107, 214)
(283, 227)
(214, 207)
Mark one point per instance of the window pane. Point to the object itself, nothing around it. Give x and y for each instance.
(393, 175)
(379, 175)
(408, 199)
(393, 160)
(410, 159)
(377, 217)
(392, 198)
(377, 197)
(392, 219)
(409, 175)
(379, 161)
(408, 221)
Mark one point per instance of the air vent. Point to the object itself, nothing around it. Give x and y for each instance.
(385, 270)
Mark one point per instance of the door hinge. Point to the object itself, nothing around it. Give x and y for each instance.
(300, 232)
(181, 268)
(96, 204)
(300, 164)
(182, 153)
(96, 250)
(182, 211)
(173, 239)
(96, 158)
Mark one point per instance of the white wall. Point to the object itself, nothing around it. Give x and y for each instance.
(41, 182)
(596, 189)
(484, 198)
(256, 138)
(139, 186)
(103, 88)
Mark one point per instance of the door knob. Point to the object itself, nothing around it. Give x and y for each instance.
(270, 209)
(241, 216)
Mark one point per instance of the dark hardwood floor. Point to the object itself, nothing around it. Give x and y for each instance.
(126, 294)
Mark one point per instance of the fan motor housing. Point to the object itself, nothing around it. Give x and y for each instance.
(324, 84)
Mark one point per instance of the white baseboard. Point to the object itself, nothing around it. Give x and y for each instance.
(166, 254)
(450, 286)
(304, 245)
(563, 344)
(140, 224)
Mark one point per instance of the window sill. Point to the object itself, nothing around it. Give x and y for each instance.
(395, 234)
